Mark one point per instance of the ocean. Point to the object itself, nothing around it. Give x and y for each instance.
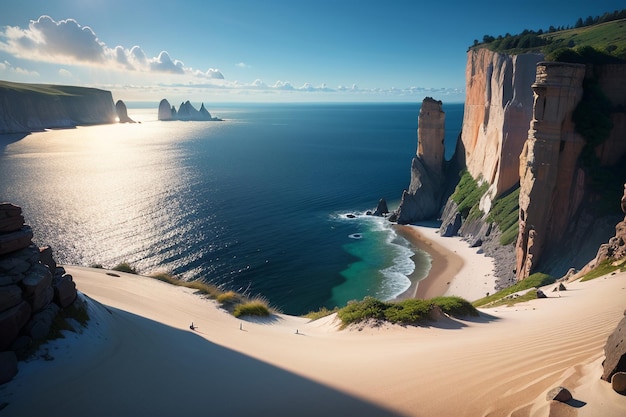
(257, 203)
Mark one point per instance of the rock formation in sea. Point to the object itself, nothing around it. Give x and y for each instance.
(33, 289)
(186, 111)
(423, 198)
(33, 107)
(122, 112)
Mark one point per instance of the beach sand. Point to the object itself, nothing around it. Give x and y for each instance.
(139, 357)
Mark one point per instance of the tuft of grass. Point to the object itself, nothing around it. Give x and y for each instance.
(605, 267)
(229, 298)
(322, 312)
(536, 280)
(455, 306)
(125, 267)
(256, 307)
(209, 290)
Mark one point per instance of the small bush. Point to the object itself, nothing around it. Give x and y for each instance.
(355, 311)
(209, 290)
(536, 280)
(228, 297)
(322, 312)
(125, 267)
(257, 308)
(408, 311)
(455, 306)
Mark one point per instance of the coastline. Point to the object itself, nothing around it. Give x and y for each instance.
(456, 268)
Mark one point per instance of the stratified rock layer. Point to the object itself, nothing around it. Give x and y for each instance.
(548, 163)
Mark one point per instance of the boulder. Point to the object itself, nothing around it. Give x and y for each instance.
(64, 291)
(561, 394)
(36, 280)
(8, 366)
(45, 256)
(615, 352)
(14, 241)
(618, 382)
(10, 296)
(39, 325)
(541, 294)
(11, 322)
(11, 218)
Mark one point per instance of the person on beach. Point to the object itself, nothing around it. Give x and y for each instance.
(192, 327)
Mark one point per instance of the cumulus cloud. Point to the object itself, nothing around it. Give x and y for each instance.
(66, 41)
(7, 67)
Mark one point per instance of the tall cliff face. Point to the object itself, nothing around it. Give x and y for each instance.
(551, 184)
(423, 198)
(31, 107)
(498, 110)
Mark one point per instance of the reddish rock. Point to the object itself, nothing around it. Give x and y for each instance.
(14, 241)
(560, 394)
(11, 323)
(618, 382)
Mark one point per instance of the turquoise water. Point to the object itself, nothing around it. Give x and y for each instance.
(256, 203)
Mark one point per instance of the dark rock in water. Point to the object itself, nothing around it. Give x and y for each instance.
(350, 216)
(381, 208)
(122, 112)
(615, 352)
(186, 111)
(165, 110)
(561, 394)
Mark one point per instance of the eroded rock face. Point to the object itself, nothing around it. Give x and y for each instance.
(165, 110)
(423, 198)
(498, 110)
(616, 246)
(122, 112)
(615, 352)
(548, 163)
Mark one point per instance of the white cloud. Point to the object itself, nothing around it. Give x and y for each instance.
(242, 65)
(65, 73)
(8, 68)
(67, 42)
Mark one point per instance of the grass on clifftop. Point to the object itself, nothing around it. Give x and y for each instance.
(605, 267)
(499, 298)
(45, 89)
(405, 312)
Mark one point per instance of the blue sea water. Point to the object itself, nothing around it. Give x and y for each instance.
(256, 203)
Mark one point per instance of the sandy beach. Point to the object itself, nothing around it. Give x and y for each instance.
(139, 357)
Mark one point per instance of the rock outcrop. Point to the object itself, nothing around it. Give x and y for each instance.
(423, 199)
(615, 248)
(615, 352)
(32, 107)
(122, 112)
(186, 111)
(33, 289)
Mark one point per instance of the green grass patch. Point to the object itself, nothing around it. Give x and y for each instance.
(455, 306)
(605, 267)
(322, 312)
(209, 290)
(405, 312)
(505, 213)
(467, 195)
(536, 280)
(257, 307)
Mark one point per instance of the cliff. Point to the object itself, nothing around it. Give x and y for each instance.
(32, 107)
(186, 111)
(519, 130)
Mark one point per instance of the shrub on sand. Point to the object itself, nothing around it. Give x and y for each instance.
(536, 280)
(408, 311)
(455, 306)
(255, 307)
(125, 267)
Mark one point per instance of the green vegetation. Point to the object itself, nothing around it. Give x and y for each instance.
(505, 213)
(125, 267)
(606, 35)
(534, 281)
(605, 267)
(45, 89)
(410, 311)
(322, 312)
(467, 195)
(203, 288)
(257, 307)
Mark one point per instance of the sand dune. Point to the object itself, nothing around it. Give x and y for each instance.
(139, 357)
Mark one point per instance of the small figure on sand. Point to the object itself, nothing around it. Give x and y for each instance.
(192, 327)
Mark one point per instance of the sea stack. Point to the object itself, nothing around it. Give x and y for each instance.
(423, 198)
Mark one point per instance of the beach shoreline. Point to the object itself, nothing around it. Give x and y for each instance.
(456, 268)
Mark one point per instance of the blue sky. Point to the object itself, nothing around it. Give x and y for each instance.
(274, 50)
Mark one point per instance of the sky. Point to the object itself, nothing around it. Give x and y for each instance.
(263, 51)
